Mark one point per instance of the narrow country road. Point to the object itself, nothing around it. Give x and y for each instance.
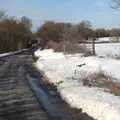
(17, 101)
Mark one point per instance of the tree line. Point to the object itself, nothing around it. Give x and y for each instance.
(58, 32)
(17, 33)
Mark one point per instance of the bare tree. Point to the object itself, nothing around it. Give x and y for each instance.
(26, 21)
(85, 29)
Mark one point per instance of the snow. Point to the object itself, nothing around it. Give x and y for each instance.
(108, 39)
(93, 101)
(12, 53)
(64, 72)
(105, 39)
(46, 54)
(109, 66)
(5, 54)
(108, 49)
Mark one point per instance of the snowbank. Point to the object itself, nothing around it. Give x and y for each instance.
(64, 69)
(12, 53)
(5, 54)
(48, 54)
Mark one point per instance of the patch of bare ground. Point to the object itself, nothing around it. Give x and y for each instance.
(101, 80)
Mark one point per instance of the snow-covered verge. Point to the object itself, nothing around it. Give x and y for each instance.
(67, 73)
(5, 54)
(12, 53)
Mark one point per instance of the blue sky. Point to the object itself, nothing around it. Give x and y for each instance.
(96, 11)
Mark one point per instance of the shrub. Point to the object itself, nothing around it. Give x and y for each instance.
(67, 47)
(100, 79)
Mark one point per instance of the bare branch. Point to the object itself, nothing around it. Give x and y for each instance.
(116, 4)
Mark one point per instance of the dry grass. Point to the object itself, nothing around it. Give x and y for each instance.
(67, 47)
(101, 80)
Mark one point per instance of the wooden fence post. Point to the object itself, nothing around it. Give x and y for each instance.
(93, 46)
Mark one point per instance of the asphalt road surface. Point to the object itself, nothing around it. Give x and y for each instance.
(17, 101)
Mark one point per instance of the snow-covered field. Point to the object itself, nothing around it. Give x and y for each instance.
(64, 71)
(108, 49)
(111, 50)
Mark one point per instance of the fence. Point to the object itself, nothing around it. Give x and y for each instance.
(91, 44)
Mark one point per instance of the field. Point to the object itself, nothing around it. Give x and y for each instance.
(108, 49)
